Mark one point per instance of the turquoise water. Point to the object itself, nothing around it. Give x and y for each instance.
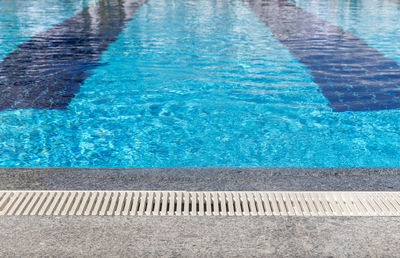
(201, 84)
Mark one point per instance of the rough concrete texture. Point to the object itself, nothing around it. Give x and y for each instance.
(199, 237)
(322, 179)
(350, 236)
(148, 237)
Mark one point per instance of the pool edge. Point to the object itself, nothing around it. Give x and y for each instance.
(203, 179)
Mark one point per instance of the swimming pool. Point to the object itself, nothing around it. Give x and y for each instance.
(199, 83)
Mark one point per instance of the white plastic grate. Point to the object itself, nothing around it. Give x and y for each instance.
(175, 203)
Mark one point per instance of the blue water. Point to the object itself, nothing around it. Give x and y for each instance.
(201, 83)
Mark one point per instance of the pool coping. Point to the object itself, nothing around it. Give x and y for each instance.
(202, 179)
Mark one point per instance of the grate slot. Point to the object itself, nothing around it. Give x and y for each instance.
(40, 203)
(266, 204)
(333, 204)
(24, 205)
(193, 204)
(157, 203)
(294, 203)
(54, 203)
(244, 204)
(259, 203)
(94, 198)
(10, 203)
(179, 204)
(5, 198)
(238, 206)
(310, 204)
(394, 204)
(252, 203)
(370, 205)
(186, 204)
(318, 204)
(288, 204)
(230, 204)
(210, 207)
(128, 204)
(325, 205)
(342, 204)
(62, 203)
(281, 204)
(143, 201)
(381, 204)
(201, 204)
(172, 205)
(18, 201)
(351, 204)
(222, 203)
(274, 204)
(135, 203)
(121, 203)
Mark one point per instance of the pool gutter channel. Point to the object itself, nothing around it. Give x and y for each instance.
(199, 203)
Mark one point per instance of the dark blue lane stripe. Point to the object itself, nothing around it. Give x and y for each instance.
(47, 71)
(351, 75)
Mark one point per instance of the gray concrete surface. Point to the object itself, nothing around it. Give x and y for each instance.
(200, 236)
(350, 236)
(322, 179)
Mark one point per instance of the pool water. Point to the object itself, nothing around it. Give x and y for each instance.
(200, 83)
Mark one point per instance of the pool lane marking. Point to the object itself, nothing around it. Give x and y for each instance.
(46, 72)
(352, 75)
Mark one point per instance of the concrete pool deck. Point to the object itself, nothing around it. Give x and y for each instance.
(202, 179)
(200, 236)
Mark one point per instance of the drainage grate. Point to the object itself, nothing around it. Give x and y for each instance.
(173, 203)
